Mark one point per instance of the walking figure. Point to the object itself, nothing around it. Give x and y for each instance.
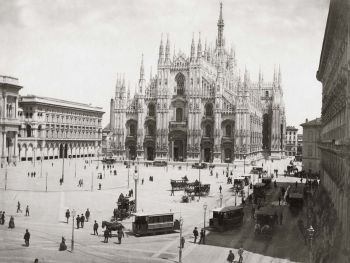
(172, 191)
(78, 221)
(82, 220)
(12, 222)
(19, 207)
(26, 238)
(202, 237)
(67, 215)
(27, 210)
(230, 257)
(240, 253)
(182, 242)
(87, 215)
(120, 235)
(106, 235)
(95, 228)
(195, 233)
(63, 245)
(2, 217)
(220, 188)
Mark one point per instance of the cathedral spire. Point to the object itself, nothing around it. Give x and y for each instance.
(220, 40)
(142, 77)
(128, 93)
(274, 74)
(279, 75)
(167, 49)
(261, 77)
(161, 51)
(199, 47)
(150, 74)
(193, 51)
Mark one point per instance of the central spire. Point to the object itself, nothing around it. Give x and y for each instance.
(220, 41)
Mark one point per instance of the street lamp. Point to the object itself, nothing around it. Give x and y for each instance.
(244, 156)
(221, 197)
(180, 250)
(199, 175)
(73, 215)
(310, 232)
(136, 178)
(63, 168)
(205, 206)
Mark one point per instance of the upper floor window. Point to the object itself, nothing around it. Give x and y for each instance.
(180, 84)
(209, 109)
(266, 93)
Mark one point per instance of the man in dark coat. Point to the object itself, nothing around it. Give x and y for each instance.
(87, 215)
(78, 221)
(26, 238)
(230, 257)
(95, 228)
(106, 235)
(27, 210)
(67, 215)
(195, 233)
(3, 218)
(82, 220)
(202, 237)
(120, 235)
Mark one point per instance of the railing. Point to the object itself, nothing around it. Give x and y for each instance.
(177, 125)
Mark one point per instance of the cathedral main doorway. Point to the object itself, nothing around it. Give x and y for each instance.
(132, 152)
(207, 155)
(228, 155)
(179, 151)
(150, 153)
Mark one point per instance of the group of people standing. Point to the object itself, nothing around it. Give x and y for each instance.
(79, 219)
(202, 236)
(32, 174)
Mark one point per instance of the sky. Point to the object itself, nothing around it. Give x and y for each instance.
(75, 49)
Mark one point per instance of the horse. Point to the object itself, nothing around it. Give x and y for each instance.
(112, 226)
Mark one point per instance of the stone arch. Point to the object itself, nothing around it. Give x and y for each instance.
(23, 152)
(29, 130)
(131, 127)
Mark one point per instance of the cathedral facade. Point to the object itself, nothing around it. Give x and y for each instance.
(198, 108)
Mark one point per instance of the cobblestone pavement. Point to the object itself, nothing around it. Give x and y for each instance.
(46, 222)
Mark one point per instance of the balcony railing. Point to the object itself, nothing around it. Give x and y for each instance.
(178, 125)
(8, 80)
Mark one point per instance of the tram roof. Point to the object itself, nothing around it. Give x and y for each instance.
(152, 214)
(227, 208)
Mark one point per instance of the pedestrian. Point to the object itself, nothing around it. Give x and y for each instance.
(3, 218)
(67, 215)
(99, 186)
(34, 174)
(27, 210)
(195, 233)
(63, 245)
(19, 207)
(28, 174)
(281, 217)
(275, 184)
(142, 181)
(182, 242)
(220, 188)
(240, 253)
(78, 221)
(82, 220)
(26, 238)
(202, 237)
(230, 257)
(87, 215)
(120, 235)
(217, 175)
(106, 235)
(95, 228)
(36, 260)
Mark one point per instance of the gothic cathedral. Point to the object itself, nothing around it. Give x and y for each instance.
(198, 108)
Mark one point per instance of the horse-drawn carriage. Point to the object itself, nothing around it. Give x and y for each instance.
(227, 217)
(239, 183)
(125, 207)
(259, 192)
(266, 218)
(197, 188)
(112, 226)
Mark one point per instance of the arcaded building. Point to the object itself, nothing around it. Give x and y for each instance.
(334, 74)
(198, 107)
(34, 128)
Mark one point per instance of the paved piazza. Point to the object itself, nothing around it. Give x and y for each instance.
(46, 222)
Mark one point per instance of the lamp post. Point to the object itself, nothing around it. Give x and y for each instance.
(221, 197)
(46, 182)
(73, 215)
(199, 177)
(310, 232)
(63, 168)
(180, 249)
(236, 191)
(6, 175)
(136, 178)
(205, 206)
(244, 156)
(128, 173)
(75, 167)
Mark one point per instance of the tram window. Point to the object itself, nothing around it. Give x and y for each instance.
(215, 215)
(140, 220)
